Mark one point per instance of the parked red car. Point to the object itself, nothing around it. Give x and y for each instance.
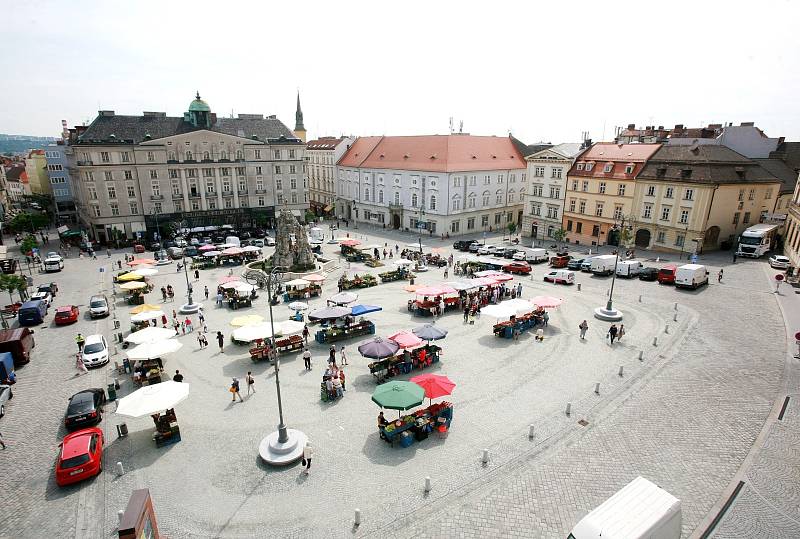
(81, 456)
(560, 261)
(666, 275)
(67, 314)
(523, 268)
(138, 248)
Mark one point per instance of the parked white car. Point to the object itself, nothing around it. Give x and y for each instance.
(487, 250)
(44, 296)
(779, 261)
(269, 241)
(95, 351)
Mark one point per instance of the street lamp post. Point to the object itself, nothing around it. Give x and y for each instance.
(285, 445)
(609, 313)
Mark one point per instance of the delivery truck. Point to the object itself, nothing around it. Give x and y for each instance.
(603, 264)
(628, 268)
(640, 510)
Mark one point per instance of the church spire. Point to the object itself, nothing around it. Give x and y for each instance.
(299, 128)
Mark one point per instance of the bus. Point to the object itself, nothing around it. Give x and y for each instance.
(757, 240)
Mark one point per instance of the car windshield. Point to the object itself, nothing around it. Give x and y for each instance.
(80, 404)
(96, 303)
(74, 461)
(750, 241)
(93, 348)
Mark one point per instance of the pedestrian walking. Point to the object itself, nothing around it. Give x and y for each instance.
(332, 356)
(519, 290)
(584, 327)
(196, 275)
(200, 340)
(251, 383)
(734, 257)
(80, 365)
(466, 314)
(235, 390)
(183, 328)
(612, 333)
(445, 271)
(206, 291)
(308, 453)
(163, 294)
(108, 252)
(163, 320)
(201, 316)
(188, 324)
(219, 299)
(307, 358)
(80, 340)
(621, 332)
(176, 326)
(305, 333)
(220, 340)
(719, 276)
(178, 376)
(343, 359)
(119, 264)
(174, 314)
(2, 442)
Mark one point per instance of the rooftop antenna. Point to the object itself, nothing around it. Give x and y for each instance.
(231, 113)
(461, 126)
(451, 125)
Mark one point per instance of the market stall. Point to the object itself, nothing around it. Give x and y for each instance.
(152, 401)
(434, 300)
(401, 273)
(357, 281)
(347, 330)
(136, 291)
(411, 427)
(300, 289)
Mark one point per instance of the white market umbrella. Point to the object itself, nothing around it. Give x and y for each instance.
(403, 262)
(147, 316)
(151, 350)
(290, 327)
(135, 285)
(150, 334)
(255, 332)
(297, 282)
(343, 298)
(145, 272)
(244, 288)
(153, 399)
(232, 284)
(298, 306)
(251, 249)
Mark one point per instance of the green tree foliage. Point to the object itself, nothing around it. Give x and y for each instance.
(559, 236)
(28, 244)
(27, 222)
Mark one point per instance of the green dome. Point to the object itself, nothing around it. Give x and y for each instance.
(198, 105)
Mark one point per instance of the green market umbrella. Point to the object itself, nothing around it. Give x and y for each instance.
(398, 395)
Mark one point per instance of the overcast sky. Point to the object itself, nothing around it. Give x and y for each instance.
(546, 71)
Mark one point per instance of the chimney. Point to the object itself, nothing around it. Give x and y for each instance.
(631, 126)
(678, 127)
(106, 113)
(748, 124)
(661, 127)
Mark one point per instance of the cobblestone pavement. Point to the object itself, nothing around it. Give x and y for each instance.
(684, 417)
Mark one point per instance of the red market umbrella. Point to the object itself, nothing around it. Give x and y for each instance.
(406, 339)
(349, 243)
(229, 279)
(435, 290)
(435, 385)
(314, 278)
(546, 302)
(141, 262)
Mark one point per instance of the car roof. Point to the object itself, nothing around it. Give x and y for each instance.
(65, 309)
(77, 443)
(91, 339)
(98, 296)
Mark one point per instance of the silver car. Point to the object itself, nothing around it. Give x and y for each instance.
(5, 396)
(98, 306)
(779, 261)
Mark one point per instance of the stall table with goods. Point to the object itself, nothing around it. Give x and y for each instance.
(260, 350)
(335, 333)
(292, 343)
(357, 281)
(300, 289)
(400, 274)
(418, 425)
(404, 363)
(520, 323)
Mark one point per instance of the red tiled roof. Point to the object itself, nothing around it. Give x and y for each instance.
(324, 143)
(434, 153)
(620, 155)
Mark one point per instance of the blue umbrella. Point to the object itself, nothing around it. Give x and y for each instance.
(357, 310)
(429, 332)
(378, 348)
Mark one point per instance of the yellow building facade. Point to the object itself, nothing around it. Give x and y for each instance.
(36, 169)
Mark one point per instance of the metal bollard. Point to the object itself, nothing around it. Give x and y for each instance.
(620, 370)
(675, 317)
(640, 298)
(597, 388)
(427, 484)
(655, 341)
(579, 287)
(120, 514)
(530, 431)
(357, 518)
(666, 328)
(676, 305)
(120, 469)
(569, 408)
(641, 355)
(485, 456)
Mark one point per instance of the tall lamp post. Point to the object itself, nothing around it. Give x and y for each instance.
(609, 313)
(283, 446)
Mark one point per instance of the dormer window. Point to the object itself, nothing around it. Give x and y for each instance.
(629, 168)
(661, 172)
(609, 167)
(589, 167)
(686, 173)
(580, 166)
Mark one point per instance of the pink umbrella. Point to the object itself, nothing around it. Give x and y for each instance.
(435, 290)
(232, 251)
(207, 248)
(483, 281)
(350, 243)
(500, 277)
(142, 262)
(314, 278)
(546, 301)
(406, 339)
(228, 279)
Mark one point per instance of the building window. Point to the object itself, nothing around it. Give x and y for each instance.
(471, 223)
(629, 169)
(661, 236)
(487, 180)
(736, 218)
(621, 190)
(414, 200)
(294, 198)
(173, 173)
(178, 205)
(276, 154)
(768, 194)
(555, 192)
(277, 169)
(647, 212)
(397, 198)
(96, 210)
(208, 172)
(598, 209)
(240, 171)
(484, 221)
(535, 208)
(589, 167)
(109, 176)
(538, 172)
(189, 156)
(170, 155)
(617, 212)
(225, 171)
(582, 207)
(500, 178)
(608, 168)
(497, 217)
(668, 193)
(651, 190)
(585, 185)
(572, 205)
(456, 203)
(191, 173)
(156, 188)
(89, 176)
(292, 169)
(511, 196)
(602, 188)
(126, 158)
(556, 173)
(746, 218)
(104, 157)
(134, 208)
(473, 181)
(226, 185)
(580, 166)
(114, 208)
(454, 226)
(684, 217)
(292, 183)
(596, 231)
(366, 194)
(574, 185)
(552, 212)
(512, 178)
(206, 156)
(485, 198)
(432, 205)
(209, 186)
(688, 194)
(128, 175)
(380, 197)
(579, 227)
(291, 154)
(752, 195)
(195, 205)
(153, 174)
(456, 181)
(569, 225)
(112, 191)
(151, 156)
(679, 239)
(665, 213)
(131, 191)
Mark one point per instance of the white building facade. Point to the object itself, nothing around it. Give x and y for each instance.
(446, 185)
(544, 197)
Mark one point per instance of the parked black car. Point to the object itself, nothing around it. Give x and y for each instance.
(85, 408)
(648, 274)
(155, 246)
(508, 252)
(463, 245)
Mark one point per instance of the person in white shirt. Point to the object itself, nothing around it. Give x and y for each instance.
(308, 453)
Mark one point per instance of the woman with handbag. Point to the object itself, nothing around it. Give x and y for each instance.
(308, 453)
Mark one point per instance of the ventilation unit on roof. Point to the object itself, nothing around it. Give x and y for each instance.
(381, 156)
(147, 136)
(433, 156)
(240, 133)
(406, 156)
(474, 156)
(494, 157)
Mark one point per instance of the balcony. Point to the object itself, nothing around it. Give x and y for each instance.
(396, 207)
(85, 163)
(194, 195)
(261, 191)
(177, 196)
(156, 197)
(242, 191)
(227, 193)
(172, 161)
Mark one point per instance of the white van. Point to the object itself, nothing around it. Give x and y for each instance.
(628, 268)
(691, 276)
(603, 264)
(640, 510)
(315, 235)
(233, 240)
(560, 276)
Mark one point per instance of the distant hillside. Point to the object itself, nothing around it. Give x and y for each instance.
(21, 143)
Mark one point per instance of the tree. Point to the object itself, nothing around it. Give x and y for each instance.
(14, 283)
(310, 216)
(28, 244)
(559, 235)
(512, 227)
(28, 222)
(625, 237)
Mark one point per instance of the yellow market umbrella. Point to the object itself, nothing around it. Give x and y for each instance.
(130, 277)
(147, 307)
(247, 320)
(136, 285)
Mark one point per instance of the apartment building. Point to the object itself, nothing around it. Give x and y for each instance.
(322, 154)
